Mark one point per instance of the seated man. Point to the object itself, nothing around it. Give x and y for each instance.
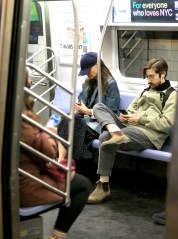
(145, 126)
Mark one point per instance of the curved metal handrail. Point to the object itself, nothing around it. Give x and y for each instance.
(99, 52)
(52, 58)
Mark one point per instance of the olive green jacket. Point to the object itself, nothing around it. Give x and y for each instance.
(155, 121)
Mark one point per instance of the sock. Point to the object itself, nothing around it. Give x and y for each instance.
(104, 179)
(112, 128)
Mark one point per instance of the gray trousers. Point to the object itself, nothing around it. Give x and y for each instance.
(137, 139)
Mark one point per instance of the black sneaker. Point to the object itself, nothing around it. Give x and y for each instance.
(159, 218)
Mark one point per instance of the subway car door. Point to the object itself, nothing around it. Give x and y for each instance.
(13, 44)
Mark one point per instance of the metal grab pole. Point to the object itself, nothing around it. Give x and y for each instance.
(171, 231)
(74, 80)
(99, 52)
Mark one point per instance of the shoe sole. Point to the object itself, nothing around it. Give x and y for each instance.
(123, 145)
(107, 198)
(159, 221)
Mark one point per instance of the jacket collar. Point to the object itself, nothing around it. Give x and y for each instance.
(163, 86)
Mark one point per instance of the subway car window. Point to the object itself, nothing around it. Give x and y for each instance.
(36, 24)
(137, 46)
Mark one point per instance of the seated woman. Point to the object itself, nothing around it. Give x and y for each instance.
(32, 193)
(86, 127)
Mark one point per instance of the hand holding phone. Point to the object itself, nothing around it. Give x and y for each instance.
(53, 121)
(123, 111)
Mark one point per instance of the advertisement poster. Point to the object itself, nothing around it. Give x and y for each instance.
(148, 11)
(66, 41)
(63, 30)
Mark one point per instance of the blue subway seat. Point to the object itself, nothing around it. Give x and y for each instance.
(147, 153)
(29, 211)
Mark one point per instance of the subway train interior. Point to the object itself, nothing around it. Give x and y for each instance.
(48, 38)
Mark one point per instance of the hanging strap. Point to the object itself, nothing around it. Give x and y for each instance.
(165, 96)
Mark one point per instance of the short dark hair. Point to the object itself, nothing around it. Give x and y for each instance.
(159, 65)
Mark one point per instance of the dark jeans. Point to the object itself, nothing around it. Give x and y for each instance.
(80, 190)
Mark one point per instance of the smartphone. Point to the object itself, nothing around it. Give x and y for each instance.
(123, 111)
(53, 121)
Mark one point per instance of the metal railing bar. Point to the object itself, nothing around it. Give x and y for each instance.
(46, 185)
(134, 59)
(127, 42)
(50, 78)
(43, 156)
(33, 73)
(38, 75)
(39, 126)
(138, 41)
(45, 62)
(37, 53)
(123, 34)
(40, 111)
(49, 73)
(47, 103)
(48, 60)
(37, 82)
(45, 92)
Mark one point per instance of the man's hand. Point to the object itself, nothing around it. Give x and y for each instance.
(131, 118)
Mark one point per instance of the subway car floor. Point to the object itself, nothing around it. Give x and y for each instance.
(135, 197)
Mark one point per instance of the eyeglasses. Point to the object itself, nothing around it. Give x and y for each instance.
(151, 77)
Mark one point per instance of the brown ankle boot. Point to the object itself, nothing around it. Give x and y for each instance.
(58, 235)
(100, 194)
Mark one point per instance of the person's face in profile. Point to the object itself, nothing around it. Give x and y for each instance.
(154, 79)
(93, 72)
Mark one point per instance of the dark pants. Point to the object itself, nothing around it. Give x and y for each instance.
(80, 190)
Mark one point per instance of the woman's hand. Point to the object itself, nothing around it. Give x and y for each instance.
(52, 129)
(62, 151)
(82, 109)
(50, 139)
